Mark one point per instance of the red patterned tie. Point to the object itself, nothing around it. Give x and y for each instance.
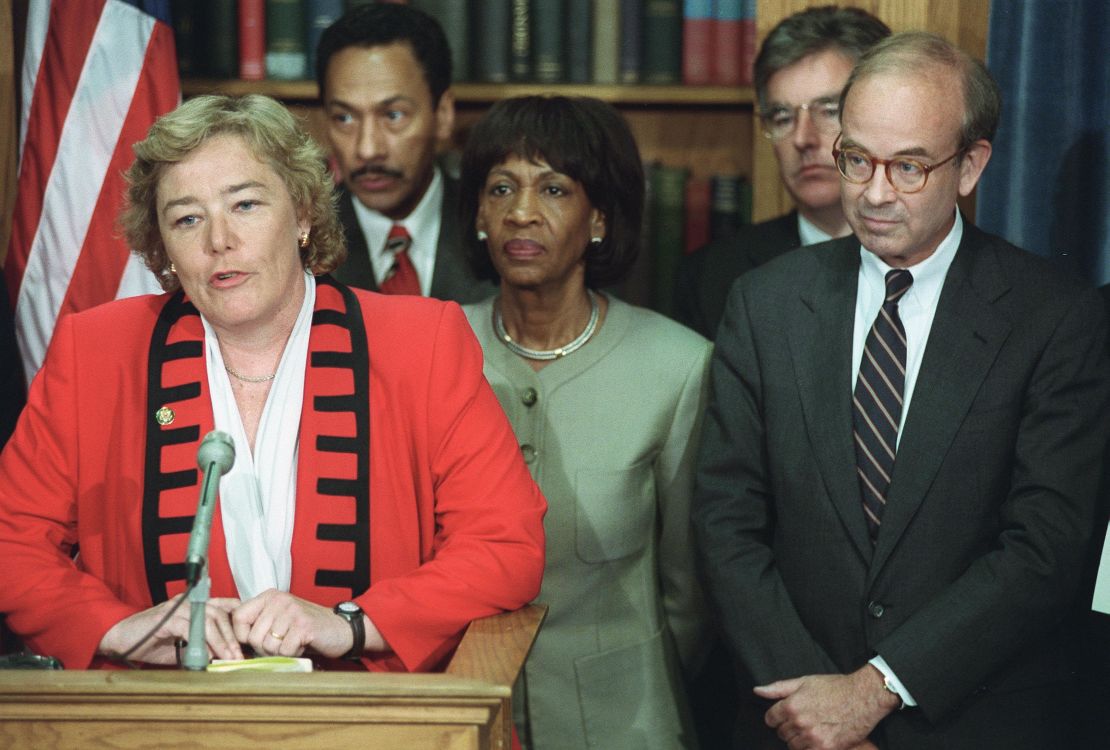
(877, 400)
(402, 278)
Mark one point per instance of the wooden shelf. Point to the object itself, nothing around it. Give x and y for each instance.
(486, 93)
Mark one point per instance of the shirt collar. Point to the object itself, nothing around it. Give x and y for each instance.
(422, 225)
(928, 275)
(809, 233)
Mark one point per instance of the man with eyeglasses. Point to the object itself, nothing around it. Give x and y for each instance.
(903, 447)
(799, 73)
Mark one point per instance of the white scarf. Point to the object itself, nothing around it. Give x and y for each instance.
(258, 496)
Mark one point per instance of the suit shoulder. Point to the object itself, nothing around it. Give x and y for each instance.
(409, 311)
(749, 246)
(806, 260)
(128, 312)
(1032, 276)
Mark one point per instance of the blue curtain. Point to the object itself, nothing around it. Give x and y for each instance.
(1047, 186)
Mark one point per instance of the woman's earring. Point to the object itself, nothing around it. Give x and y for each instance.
(173, 268)
(482, 236)
(303, 241)
(595, 241)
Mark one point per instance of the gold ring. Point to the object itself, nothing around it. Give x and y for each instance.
(276, 636)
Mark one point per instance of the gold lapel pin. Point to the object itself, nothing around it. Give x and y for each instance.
(164, 416)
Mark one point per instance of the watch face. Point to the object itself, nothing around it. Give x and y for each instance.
(349, 608)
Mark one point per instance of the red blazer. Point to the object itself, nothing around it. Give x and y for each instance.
(412, 497)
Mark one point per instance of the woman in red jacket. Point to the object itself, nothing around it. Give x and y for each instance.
(374, 468)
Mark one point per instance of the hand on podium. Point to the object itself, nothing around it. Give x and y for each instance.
(276, 623)
(161, 647)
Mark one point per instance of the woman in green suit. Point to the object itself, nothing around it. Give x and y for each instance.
(606, 401)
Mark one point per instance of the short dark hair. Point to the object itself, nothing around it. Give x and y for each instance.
(376, 24)
(583, 138)
(912, 51)
(849, 31)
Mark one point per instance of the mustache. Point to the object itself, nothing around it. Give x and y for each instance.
(376, 171)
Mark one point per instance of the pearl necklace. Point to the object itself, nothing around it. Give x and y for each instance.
(549, 354)
(248, 378)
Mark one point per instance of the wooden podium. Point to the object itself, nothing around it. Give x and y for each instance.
(466, 707)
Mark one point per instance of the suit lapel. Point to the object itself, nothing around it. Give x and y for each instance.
(820, 336)
(356, 271)
(450, 274)
(964, 341)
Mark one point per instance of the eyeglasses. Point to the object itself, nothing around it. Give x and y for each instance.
(905, 175)
(781, 120)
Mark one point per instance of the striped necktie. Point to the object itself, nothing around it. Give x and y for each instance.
(877, 401)
(402, 278)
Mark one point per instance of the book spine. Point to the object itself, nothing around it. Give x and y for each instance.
(632, 40)
(286, 40)
(183, 13)
(252, 40)
(453, 18)
(748, 47)
(662, 48)
(698, 197)
(726, 42)
(669, 189)
(725, 205)
(492, 34)
(549, 23)
(520, 44)
(607, 41)
(579, 41)
(319, 15)
(697, 42)
(219, 43)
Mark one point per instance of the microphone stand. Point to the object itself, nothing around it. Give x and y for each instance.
(215, 458)
(195, 657)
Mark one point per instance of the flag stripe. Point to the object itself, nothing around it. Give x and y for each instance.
(98, 72)
(58, 64)
(97, 273)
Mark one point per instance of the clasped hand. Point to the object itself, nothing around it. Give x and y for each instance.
(828, 711)
(272, 623)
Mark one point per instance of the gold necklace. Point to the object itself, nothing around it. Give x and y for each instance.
(248, 378)
(549, 354)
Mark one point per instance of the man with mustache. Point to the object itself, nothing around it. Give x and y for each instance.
(384, 72)
(902, 453)
(800, 70)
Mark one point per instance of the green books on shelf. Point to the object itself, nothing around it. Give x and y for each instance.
(286, 40)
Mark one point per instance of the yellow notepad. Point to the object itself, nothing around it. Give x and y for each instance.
(262, 664)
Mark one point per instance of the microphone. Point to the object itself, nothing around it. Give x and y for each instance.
(215, 458)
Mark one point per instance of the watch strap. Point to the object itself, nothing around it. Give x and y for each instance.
(358, 629)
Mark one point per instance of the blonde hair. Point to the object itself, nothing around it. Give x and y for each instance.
(274, 137)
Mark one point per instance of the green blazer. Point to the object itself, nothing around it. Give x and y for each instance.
(609, 434)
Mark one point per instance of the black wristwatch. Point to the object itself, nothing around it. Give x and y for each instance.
(352, 613)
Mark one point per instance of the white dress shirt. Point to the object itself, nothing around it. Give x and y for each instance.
(809, 233)
(917, 308)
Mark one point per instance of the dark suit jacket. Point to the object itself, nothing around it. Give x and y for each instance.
(705, 275)
(452, 279)
(991, 501)
(12, 390)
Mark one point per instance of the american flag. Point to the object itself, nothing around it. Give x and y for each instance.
(96, 74)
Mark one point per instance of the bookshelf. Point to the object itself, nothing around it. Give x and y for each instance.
(467, 94)
(706, 129)
(702, 128)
